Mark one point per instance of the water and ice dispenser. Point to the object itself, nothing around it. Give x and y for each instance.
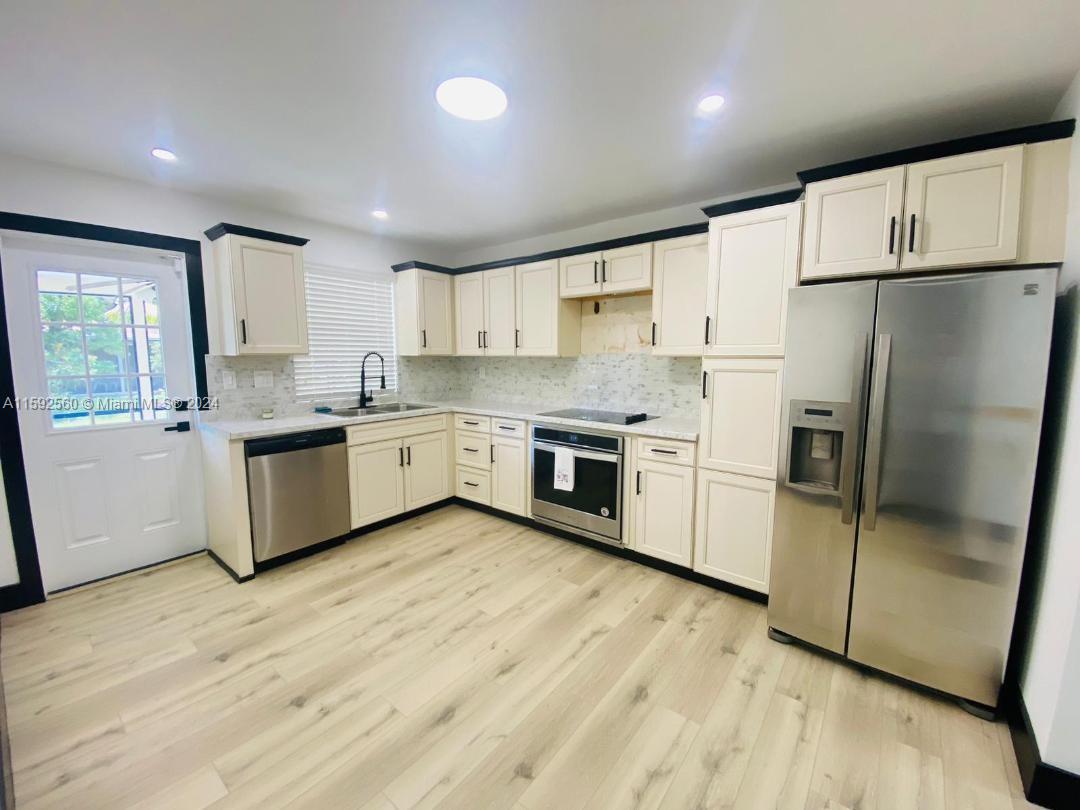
(818, 431)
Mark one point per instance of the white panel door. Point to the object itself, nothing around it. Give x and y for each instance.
(436, 313)
(664, 522)
(537, 302)
(626, 269)
(376, 481)
(580, 275)
(733, 529)
(499, 312)
(101, 346)
(963, 210)
(740, 416)
(508, 474)
(680, 281)
(753, 262)
(853, 224)
(469, 311)
(268, 290)
(427, 471)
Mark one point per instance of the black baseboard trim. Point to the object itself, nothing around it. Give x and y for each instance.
(617, 551)
(1045, 785)
(227, 568)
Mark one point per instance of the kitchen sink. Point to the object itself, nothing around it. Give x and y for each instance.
(391, 407)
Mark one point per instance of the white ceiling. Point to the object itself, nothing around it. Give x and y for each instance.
(325, 109)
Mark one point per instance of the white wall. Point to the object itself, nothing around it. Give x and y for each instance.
(599, 231)
(48, 190)
(1050, 681)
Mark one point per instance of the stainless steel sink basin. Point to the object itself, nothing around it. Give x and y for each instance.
(392, 407)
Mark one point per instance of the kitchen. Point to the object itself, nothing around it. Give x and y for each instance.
(562, 516)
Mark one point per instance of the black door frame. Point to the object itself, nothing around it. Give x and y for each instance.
(30, 589)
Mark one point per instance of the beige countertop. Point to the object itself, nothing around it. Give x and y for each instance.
(664, 427)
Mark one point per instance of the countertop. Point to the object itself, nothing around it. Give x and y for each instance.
(665, 427)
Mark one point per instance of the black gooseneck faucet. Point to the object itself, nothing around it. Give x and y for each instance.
(365, 398)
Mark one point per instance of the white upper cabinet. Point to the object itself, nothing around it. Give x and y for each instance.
(680, 280)
(753, 262)
(469, 313)
(740, 416)
(853, 224)
(620, 270)
(423, 309)
(260, 285)
(579, 276)
(500, 337)
(963, 209)
(547, 326)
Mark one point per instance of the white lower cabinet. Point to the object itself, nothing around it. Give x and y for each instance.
(426, 469)
(508, 474)
(733, 529)
(664, 518)
(473, 484)
(376, 485)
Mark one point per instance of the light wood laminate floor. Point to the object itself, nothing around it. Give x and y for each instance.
(458, 660)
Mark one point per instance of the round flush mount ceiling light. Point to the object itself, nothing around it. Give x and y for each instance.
(710, 105)
(164, 154)
(471, 98)
(378, 213)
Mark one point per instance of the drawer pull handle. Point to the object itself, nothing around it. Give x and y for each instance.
(467, 422)
(507, 427)
(662, 450)
(471, 484)
(471, 449)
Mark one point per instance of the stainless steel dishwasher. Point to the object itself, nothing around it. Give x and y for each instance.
(298, 491)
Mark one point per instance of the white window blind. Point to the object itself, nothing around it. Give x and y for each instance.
(350, 313)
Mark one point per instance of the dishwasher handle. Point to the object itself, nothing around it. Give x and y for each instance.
(293, 441)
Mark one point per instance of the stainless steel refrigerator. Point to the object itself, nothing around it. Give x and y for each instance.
(910, 428)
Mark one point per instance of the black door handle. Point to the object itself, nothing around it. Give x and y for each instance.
(639, 482)
(892, 235)
(654, 333)
(492, 454)
(704, 385)
(603, 270)
(408, 456)
(594, 266)
(243, 330)
(911, 236)
(479, 341)
(423, 337)
(401, 457)
(707, 320)
(517, 338)
(179, 427)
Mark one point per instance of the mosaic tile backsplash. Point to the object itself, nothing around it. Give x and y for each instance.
(667, 386)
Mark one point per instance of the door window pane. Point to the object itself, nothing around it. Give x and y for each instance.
(104, 358)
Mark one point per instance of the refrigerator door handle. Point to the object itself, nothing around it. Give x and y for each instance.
(848, 462)
(876, 431)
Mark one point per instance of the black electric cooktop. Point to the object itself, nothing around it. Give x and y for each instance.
(589, 415)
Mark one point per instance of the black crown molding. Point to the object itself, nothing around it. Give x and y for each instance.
(435, 268)
(1036, 133)
(752, 203)
(223, 228)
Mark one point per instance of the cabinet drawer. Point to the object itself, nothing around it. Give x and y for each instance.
(473, 449)
(669, 450)
(474, 485)
(468, 421)
(508, 427)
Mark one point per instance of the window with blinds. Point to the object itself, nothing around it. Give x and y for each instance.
(350, 313)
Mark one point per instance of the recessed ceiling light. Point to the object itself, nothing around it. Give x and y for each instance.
(164, 154)
(378, 213)
(710, 104)
(471, 98)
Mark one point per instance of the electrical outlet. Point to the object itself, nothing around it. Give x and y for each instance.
(264, 379)
(228, 380)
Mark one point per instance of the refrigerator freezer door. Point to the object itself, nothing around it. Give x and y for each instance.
(825, 381)
(952, 438)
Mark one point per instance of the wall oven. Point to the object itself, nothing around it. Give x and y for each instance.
(593, 507)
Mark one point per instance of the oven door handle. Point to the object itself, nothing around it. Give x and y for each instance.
(578, 452)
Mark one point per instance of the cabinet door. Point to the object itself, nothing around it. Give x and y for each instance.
(580, 275)
(680, 278)
(469, 313)
(963, 209)
(426, 469)
(753, 262)
(376, 486)
(740, 416)
(852, 225)
(733, 529)
(508, 474)
(435, 299)
(499, 312)
(537, 303)
(271, 308)
(664, 523)
(626, 269)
